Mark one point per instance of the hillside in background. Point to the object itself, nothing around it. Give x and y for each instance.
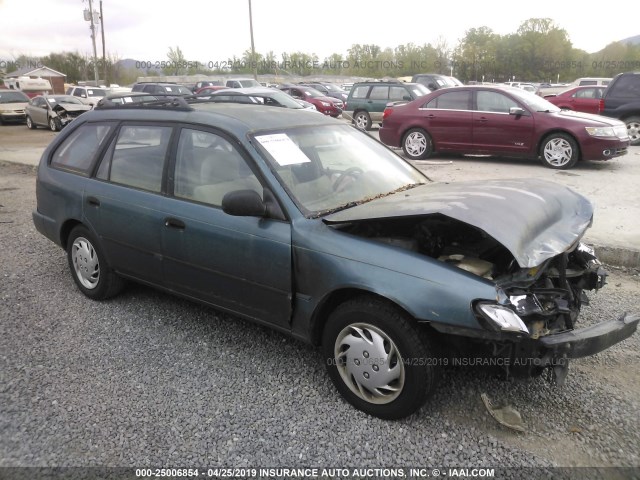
(632, 40)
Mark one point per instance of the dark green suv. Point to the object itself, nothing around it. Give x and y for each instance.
(367, 100)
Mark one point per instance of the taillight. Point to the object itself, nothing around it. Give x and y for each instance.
(600, 106)
(386, 113)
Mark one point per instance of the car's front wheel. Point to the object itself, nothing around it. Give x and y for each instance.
(417, 144)
(633, 129)
(362, 120)
(30, 124)
(377, 358)
(559, 151)
(54, 124)
(89, 269)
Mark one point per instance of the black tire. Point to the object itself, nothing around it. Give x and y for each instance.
(559, 151)
(89, 269)
(417, 144)
(362, 120)
(633, 128)
(30, 124)
(387, 352)
(54, 124)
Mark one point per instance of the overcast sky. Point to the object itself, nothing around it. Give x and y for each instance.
(214, 30)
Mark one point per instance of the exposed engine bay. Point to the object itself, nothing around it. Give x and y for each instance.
(66, 115)
(547, 298)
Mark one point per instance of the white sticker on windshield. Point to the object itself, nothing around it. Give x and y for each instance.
(283, 149)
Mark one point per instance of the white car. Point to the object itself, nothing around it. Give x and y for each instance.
(87, 95)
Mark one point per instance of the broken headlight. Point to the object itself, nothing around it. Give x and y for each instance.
(502, 317)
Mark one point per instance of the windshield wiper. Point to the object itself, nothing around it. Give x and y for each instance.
(347, 205)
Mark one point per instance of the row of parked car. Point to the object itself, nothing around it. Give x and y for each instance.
(481, 119)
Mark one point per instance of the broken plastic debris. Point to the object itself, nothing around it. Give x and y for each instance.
(506, 415)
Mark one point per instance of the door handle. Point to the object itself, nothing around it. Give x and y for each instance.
(483, 119)
(93, 201)
(174, 223)
(431, 115)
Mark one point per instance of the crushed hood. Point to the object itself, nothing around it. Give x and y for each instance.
(70, 107)
(534, 219)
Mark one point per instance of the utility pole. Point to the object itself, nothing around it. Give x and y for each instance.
(253, 48)
(93, 40)
(104, 60)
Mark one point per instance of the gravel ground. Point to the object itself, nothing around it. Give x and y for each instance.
(147, 379)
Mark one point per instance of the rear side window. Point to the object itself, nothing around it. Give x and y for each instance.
(136, 157)
(79, 149)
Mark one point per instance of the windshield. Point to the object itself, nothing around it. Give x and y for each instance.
(13, 97)
(281, 98)
(177, 89)
(249, 83)
(419, 90)
(533, 101)
(329, 168)
(96, 92)
(333, 88)
(313, 93)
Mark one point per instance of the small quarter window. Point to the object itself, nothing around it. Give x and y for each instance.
(79, 149)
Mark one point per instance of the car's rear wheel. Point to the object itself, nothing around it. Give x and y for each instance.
(559, 151)
(362, 120)
(417, 144)
(89, 269)
(377, 358)
(30, 124)
(633, 129)
(54, 124)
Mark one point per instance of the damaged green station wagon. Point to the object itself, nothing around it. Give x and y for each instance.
(303, 223)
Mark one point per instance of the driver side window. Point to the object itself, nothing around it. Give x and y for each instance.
(208, 167)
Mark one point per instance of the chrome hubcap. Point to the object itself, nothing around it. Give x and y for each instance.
(369, 363)
(85, 263)
(633, 129)
(558, 152)
(415, 144)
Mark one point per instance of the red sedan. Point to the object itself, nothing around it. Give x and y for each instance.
(508, 122)
(581, 99)
(327, 105)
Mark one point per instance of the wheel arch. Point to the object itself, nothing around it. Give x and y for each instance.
(66, 228)
(331, 301)
(546, 135)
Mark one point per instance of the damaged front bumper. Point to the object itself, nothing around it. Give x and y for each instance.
(590, 340)
(555, 351)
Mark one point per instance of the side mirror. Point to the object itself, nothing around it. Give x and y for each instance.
(432, 86)
(244, 203)
(407, 98)
(516, 111)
